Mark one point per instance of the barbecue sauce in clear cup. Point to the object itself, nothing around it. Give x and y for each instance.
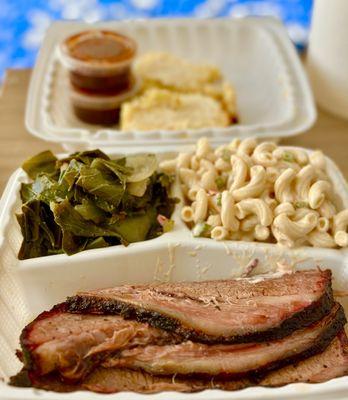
(99, 64)
(101, 109)
(99, 61)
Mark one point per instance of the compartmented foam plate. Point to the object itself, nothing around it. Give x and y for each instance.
(30, 286)
(255, 54)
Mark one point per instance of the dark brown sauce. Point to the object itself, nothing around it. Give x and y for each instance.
(100, 46)
(113, 84)
(98, 117)
(103, 48)
(103, 68)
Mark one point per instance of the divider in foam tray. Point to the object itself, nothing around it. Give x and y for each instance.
(28, 287)
(256, 55)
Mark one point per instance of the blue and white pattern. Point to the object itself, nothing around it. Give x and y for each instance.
(24, 22)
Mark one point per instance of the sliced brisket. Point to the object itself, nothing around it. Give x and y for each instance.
(113, 380)
(187, 337)
(332, 363)
(73, 344)
(189, 358)
(225, 311)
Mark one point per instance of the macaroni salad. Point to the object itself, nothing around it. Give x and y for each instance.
(259, 192)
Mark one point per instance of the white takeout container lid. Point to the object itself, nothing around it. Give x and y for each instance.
(255, 54)
(30, 286)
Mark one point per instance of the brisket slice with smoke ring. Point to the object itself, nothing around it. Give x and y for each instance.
(74, 344)
(225, 311)
(189, 358)
(330, 364)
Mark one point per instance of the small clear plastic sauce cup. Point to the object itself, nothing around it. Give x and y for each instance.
(99, 61)
(100, 109)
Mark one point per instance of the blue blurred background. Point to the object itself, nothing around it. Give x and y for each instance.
(24, 22)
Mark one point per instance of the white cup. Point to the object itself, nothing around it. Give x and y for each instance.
(327, 59)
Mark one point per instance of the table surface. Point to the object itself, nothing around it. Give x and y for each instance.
(329, 133)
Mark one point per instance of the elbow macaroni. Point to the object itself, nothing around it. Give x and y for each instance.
(187, 176)
(208, 180)
(294, 155)
(272, 174)
(219, 233)
(317, 159)
(249, 223)
(282, 186)
(247, 146)
(183, 160)
(327, 209)
(256, 206)
(319, 238)
(261, 233)
(228, 218)
(295, 229)
(323, 224)
(285, 208)
(292, 233)
(340, 221)
(303, 182)
(253, 188)
(201, 206)
(318, 193)
(239, 175)
(203, 148)
(250, 191)
(340, 224)
(214, 220)
(263, 154)
(187, 214)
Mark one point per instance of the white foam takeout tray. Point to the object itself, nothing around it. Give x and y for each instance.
(255, 54)
(30, 286)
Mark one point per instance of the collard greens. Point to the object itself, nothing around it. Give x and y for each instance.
(88, 201)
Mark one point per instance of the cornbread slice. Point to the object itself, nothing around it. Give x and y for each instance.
(224, 93)
(166, 110)
(171, 72)
(167, 71)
